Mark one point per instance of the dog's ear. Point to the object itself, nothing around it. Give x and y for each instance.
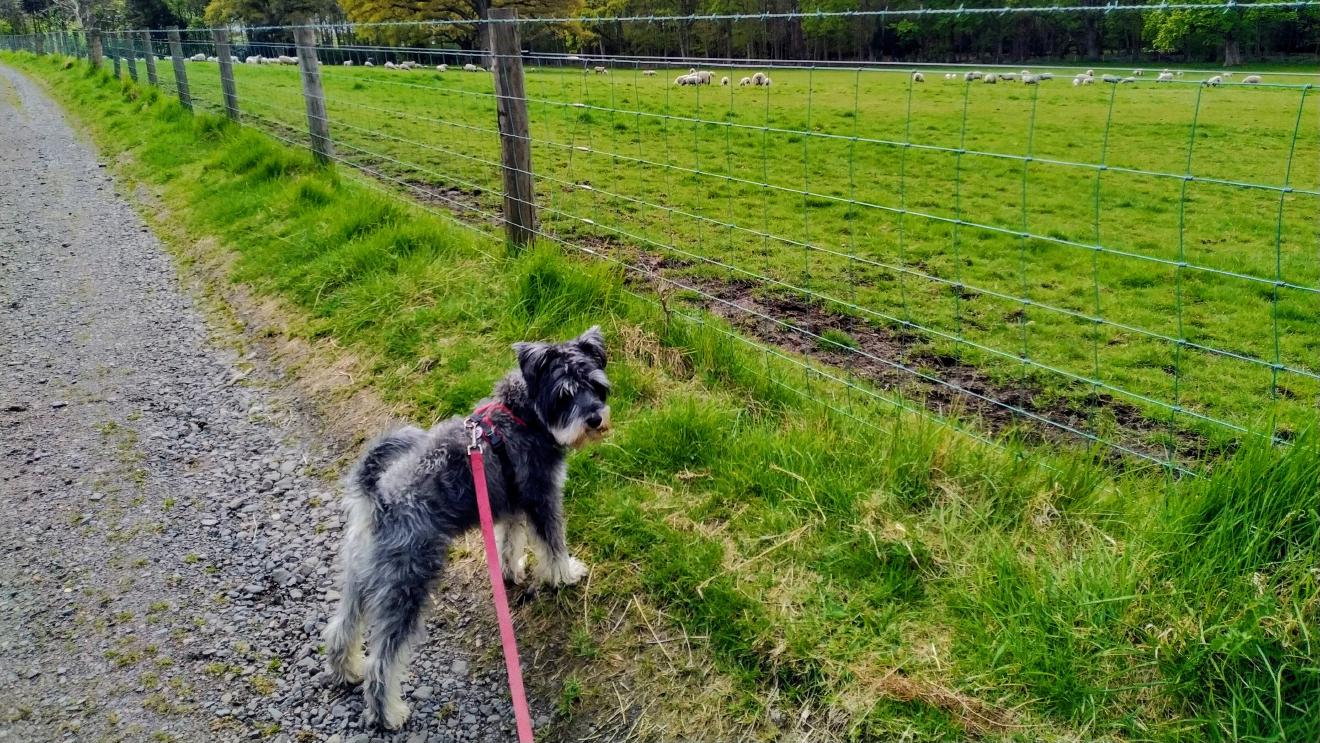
(592, 343)
(532, 359)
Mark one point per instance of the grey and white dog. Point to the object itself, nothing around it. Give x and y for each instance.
(411, 495)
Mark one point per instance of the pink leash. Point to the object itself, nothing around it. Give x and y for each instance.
(520, 710)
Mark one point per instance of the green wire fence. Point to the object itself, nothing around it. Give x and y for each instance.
(1130, 258)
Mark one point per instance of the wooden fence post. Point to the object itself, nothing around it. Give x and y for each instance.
(515, 135)
(128, 47)
(318, 125)
(94, 52)
(221, 37)
(39, 43)
(150, 54)
(180, 74)
(114, 53)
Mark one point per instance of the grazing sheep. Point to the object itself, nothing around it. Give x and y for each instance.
(1083, 80)
(469, 67)
(1138, 73)
(197, 58)
(600, 70)
(972, 75)
(442, 68)
(1227, 75)
(1007, 76)
(990, 79)
(724, 81)
(1045, 76)
(212, 59)
(744, 82)
(254, 59)
(1164, 77)
(1213, 81)
(767, 81)
(390, 65)
(407, 65)
(687, 80)
(759, 78)
(917, 77)
(1030, 79)
(348, 63)
(648, 73)
(368, 63)
(1111, 79)
(950, 76)
(706, 76)
(1090, 73)
(1251, 80)
(1179, 73)
(288, 60)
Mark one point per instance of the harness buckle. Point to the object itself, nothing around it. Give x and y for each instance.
(474, 430)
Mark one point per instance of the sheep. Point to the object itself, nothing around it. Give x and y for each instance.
(600, 70)
(1128, 79)
(1164, 77)
(348, 63)
(744, 82)
(724, 81)
(368, 63)
(767, 81)
(1030, 79)
(990, 79)
(1082, 80)
(1179, 73)
(212, 59)
(407, 65)
(1111, 79)
(254, 59)
(1227, 75)
(972, 75)
(197, 58)
(288, 60)
(1251, 80)
(1213, 81)
(442, 68)
(704, 77)
(917, 77)
(950, 76)
(1090, 73)
(1138, 73)
(1007, 76)
(687, 80)
(469, 67)
(759, 78)
(648, 73)
(390, 66)
(1045, 76)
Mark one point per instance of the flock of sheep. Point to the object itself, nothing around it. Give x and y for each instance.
(760, 79)
(1082, 78)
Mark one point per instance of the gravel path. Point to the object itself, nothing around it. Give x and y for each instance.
(167, 533)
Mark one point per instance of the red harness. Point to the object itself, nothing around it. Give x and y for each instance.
(480, 425)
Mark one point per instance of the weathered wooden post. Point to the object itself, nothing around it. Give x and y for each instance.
(150, 54)
(318, 125)
(39, 43)
(115, 53)
(221, 37)
(180, 74)
(94, 52)
(127, 46)
(515, 135)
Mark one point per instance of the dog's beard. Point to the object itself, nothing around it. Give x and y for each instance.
(577, 434)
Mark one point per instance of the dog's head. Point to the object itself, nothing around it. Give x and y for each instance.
(567, 386)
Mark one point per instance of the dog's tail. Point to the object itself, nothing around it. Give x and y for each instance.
(362, 504)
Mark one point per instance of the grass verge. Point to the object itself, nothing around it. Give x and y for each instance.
(868, 576)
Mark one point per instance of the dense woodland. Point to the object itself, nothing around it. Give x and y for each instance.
(1228, 36)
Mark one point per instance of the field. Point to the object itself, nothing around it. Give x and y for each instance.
(893, 582)
(1046, 236)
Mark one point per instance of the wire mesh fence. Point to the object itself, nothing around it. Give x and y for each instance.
(1129, 257)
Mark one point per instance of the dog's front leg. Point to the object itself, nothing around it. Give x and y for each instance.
(511, 536)
(545, 515)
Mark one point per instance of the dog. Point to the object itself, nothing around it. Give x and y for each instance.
(411, 495)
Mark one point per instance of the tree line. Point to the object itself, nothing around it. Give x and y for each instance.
(1215, 34)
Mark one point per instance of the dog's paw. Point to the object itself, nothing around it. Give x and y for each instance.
(566, 572)
(516, 573)
(351, 672)
(395, 715)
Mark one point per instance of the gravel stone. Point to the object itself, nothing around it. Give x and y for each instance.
(158, 509)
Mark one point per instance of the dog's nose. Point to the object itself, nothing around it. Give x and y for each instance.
(594, 420)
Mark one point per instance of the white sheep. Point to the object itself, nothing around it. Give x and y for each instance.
(767, 81)
(197, 58)
(687, 80)
(1045, 76)
(288, 60)
(1251, 80)
(1164, 77)
(917, 77)
(950, 76)
(1227, 75)
(972, 75)
(442, 68)
(1007, 76)
(1090, 73)
(724, 81)
(1138, 73)
(368, 63)
(469, 67)
(744, 82)
(1213, 81)
(253, 59)
(706, 77)
(1111, 79)
(1083, 80)
(759, 78)
(348, 63)
(990, 79)
(1128, 79)
(1030, 79)
(390, 65)
(600, 70)
(648, 73)
(212, 59)
(407, 65)
(1179, 73)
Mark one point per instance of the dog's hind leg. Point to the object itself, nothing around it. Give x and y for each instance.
(511, 535)
(400, 585)
(343, 635)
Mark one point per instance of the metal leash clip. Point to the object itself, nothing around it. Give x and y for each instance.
(474, 429)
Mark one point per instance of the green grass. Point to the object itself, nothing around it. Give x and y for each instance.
(670, 169)
(923, 585)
